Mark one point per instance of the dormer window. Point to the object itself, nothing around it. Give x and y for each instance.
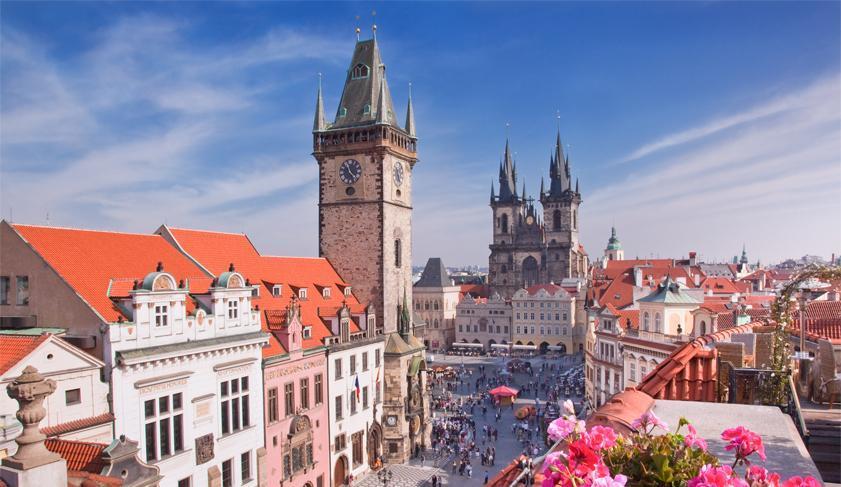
(325, 293)
(360, 71)
(233, 309)
(347, 291)
(302, 293)
(366, 109)
(343, 112)
(307, 332)
(161, 315)
(277, 290)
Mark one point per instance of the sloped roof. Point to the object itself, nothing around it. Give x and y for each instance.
(14, 348)
(77, 424)
(434, 274)
(690, 373)
(719, 285)
(88, 260)
(216, 251)
(669, 292)
(80, 455)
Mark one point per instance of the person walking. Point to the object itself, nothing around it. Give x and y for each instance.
(486, 477)
(434, 481)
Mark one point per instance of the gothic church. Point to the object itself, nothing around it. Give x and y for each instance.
(529, 248)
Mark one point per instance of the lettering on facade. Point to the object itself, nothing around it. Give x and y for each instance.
(204, 448)
(163, 387)
(284, 371)
(244, 369)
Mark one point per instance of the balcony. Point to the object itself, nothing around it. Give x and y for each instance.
(653, 336)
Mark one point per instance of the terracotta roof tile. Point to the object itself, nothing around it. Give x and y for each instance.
(14, 348)
(89, 260)
(78, 424)
(80, 455)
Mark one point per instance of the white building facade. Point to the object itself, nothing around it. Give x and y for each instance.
(544, 318)
(187, 381)
(483, 324)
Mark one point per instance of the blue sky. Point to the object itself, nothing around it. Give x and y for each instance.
(692, 126)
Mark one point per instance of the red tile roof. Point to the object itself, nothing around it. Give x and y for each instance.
(88, 260)
(78, 424)
(80, 455)
(475, 290)
(719, 285)
(552, 289)
(215, 251)
(14, 348)
(690, 373)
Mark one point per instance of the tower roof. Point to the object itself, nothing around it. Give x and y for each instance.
(434, 274)
(320, 122)
(613, 243)
(364, 86)
(507, 177)
(559, 180)
(410, 115)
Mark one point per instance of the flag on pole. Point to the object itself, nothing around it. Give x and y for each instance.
(356, 386)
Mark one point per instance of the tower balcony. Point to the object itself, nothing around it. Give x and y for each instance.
(364, 137)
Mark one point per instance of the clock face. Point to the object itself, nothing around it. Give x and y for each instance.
(398, 173)
(350, 171)
(391, 420)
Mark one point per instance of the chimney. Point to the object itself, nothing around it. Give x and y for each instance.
(637, 277)
(693, 258)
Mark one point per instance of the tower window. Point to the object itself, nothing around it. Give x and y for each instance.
(504, 223)
(343, 112)
(397, 253)
(360, 71)
(366, 109)
(556, 220)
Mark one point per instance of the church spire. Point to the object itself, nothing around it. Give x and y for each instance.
(542, 188)
(507, 176)
(410, 115)
(365, 89)
(382, 109)
(576, 186)
(493, 196)
(558, 170)
(319, 124)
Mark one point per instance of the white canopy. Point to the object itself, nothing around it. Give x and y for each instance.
(524, 347)
(468, 345)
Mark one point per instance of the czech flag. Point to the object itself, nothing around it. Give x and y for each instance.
(356, 386)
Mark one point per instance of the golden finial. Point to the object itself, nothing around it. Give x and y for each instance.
(358, 30)
(374, 26)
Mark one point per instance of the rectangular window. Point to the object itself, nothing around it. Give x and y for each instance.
(289, 399)
(397, 253)
(245, 466)
(302, 293)
(277, 290)
(338, 364)
(376, 358)
(352, 364)
(228, 473)
(161, 315)
(633, 371)
(272, 404)
(340, 443)
(365, 397)
(4, 289)
(23, 290)
(339, 413)
(325, 293)
(319, 391)
(233, 309)
(306, 333)
(234, 405)
(365, 361)
(164, 427)
(305, 394)
(356, 443)
(187, 482)
(319, 482)
(72, 396)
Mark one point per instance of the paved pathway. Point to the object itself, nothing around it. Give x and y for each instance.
(507, 447)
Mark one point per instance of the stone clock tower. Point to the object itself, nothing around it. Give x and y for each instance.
(365, 161)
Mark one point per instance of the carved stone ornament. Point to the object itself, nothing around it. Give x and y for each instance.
(204, 449)
(30, 390)
(163, 283)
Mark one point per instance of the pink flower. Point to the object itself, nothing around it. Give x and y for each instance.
(744, 441)
(760, 476)
(569, 408)
(692, 439)
(608, 481)
(601, 437)
(710, 476)
(802, 482)
(560, 428)
(646, 420)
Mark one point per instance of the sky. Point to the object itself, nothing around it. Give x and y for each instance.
(691, 126)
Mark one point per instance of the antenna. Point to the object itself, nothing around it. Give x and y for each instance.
(374, 26)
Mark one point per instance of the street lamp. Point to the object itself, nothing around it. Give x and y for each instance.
(385, 476)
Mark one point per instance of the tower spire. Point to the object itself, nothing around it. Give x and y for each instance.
(382, 109)
(410, 115)
(493, 195)
(507, 175)
(542, 188)
(319, 124)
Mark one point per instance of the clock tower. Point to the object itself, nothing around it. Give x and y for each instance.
(366, 160)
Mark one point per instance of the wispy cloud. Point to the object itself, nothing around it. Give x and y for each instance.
(741, 177)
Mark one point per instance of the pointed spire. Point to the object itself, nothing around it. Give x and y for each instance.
(493, 193)
(524, 190)
(576, 186)
(319, 124)
(405, 319)
(410, 115)
(542, 187)
(382, 108)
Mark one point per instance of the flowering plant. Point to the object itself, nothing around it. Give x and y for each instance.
(600, 457)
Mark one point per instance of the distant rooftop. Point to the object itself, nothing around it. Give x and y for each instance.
(434, 274)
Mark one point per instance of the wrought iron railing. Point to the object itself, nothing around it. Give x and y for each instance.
(760, 387)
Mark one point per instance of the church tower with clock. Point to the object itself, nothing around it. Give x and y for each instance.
(366, 160)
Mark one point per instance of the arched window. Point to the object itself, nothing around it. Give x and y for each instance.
(657, 324)
(504, 223)
(360, 71)
(645, 321)
(426, 305)
(574, 219)
(435, 306)
(435, 323)
(556, 220)
(703, 328)
(397, 253)
(504, 269)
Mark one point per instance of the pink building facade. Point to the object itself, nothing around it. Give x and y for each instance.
(296, 415)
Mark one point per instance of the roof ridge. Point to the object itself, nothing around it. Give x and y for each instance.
(56, 227)
(240, 234)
